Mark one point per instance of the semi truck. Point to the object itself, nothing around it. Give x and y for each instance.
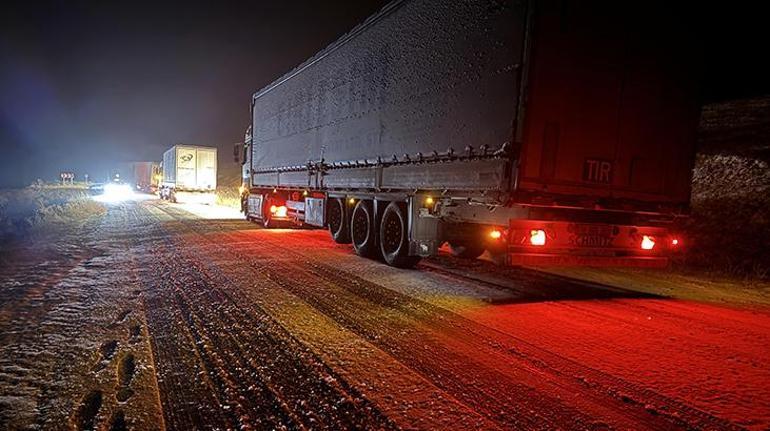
(553, 132)
(189, 174)
(147, 176)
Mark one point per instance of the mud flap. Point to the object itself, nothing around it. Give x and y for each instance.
(315, 211)
(254, 207)
(424, 230)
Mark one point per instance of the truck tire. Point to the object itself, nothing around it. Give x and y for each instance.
(337, 221)
(362, 231)
(466, 250)
(394, 237)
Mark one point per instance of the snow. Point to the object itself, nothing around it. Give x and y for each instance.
(247, 328)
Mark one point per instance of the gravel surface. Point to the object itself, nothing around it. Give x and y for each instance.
(154, 317)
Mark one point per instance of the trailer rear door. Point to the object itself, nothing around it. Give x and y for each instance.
(611, 109)
(206, 168)
(185, 167)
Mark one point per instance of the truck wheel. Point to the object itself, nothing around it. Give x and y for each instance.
(338, 223)
(362, 232)
(466, 250)
(394, 237)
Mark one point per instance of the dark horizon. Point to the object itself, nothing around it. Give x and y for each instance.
(86, 87)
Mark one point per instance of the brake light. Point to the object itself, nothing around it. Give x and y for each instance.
(675, 241)
(648, 242)
(537, 237)
(278, 211)
(495, 234)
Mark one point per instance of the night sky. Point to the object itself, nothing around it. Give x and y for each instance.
(86, 85)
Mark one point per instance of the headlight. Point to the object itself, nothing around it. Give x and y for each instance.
(117, 191)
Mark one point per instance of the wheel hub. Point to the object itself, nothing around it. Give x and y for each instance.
(335, 217)
(393, 234)
(360, 228)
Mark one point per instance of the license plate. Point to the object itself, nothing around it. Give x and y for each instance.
(591, 235)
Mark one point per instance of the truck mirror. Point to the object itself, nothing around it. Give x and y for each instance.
(238, 153)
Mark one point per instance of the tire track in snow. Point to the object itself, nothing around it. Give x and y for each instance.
(642, 402)
(486, 390)
(245, 352)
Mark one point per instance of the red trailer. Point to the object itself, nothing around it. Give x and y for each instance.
(147, 175)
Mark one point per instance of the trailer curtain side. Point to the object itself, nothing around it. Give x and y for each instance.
(418, 79)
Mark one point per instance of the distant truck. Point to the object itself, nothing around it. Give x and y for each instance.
(147, 176)
(189, 174)
(544, 132)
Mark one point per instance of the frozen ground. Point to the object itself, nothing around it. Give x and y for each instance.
(162, 316)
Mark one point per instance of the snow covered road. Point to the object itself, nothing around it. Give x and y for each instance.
(157, 317)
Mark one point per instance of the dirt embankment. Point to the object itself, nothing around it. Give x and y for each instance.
(228, 183)
(23, 211)
(730, 226)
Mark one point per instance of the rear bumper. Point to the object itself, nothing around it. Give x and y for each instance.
(533, 259)
(590, 244)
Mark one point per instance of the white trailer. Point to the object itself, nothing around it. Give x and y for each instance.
(189, 174)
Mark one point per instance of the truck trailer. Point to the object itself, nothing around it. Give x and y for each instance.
(147, 176)
(553, 132)
(189, 174)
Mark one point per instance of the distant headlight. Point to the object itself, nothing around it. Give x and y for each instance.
(117, 192)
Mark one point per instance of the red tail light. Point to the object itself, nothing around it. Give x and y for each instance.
(648, 242)
(495, 234)
(537, 237)
(278, 211)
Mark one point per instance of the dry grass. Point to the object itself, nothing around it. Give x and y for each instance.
(229, 196)
(228, 181)
(730, 226)
(730, 223)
